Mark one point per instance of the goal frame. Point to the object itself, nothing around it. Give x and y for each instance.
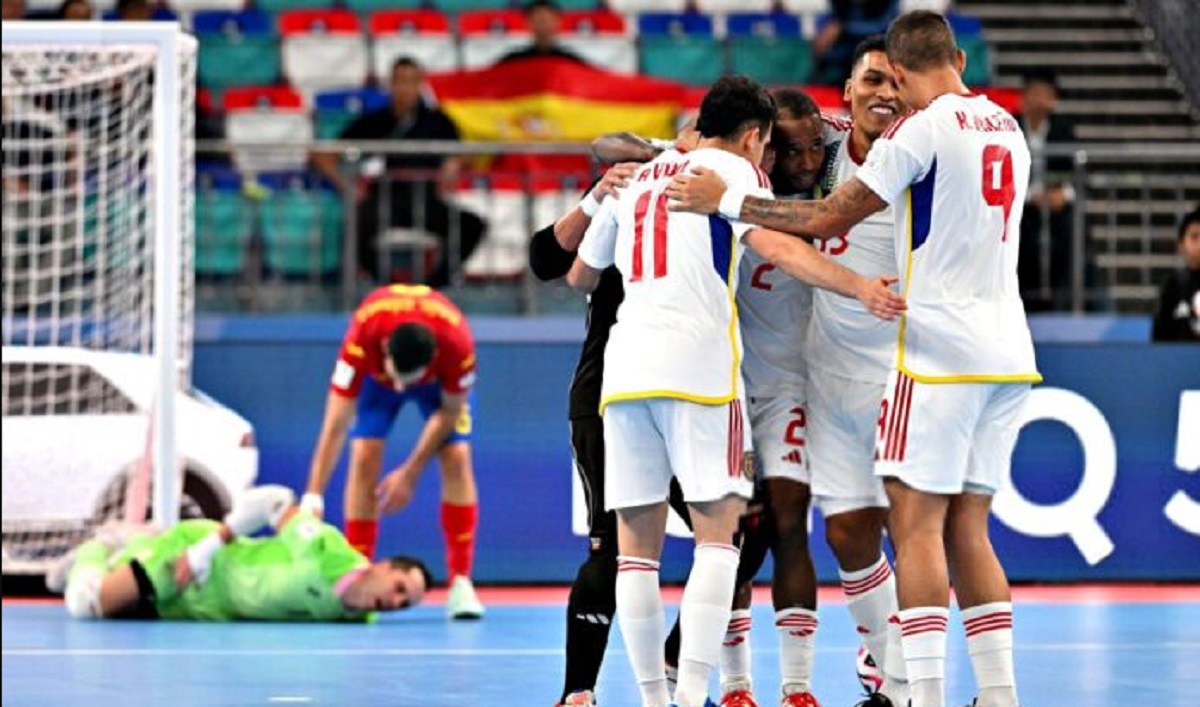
(166, 145)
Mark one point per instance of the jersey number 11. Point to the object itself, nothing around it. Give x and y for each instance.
(657, 223)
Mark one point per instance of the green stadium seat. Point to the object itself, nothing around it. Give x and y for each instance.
(569, 5)
(301, 231)
(453, 7)
(224, 226)
(979, 65)
(780, 61)
(277, 6)
(227, 61)
(694, 60)
(374, 5)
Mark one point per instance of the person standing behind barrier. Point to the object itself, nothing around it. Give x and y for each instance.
(413, 201)
(1178, 317)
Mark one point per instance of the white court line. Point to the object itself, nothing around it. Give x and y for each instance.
(293, 699)
(452, 652)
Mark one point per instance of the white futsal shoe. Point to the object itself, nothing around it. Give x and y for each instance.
(463, 603)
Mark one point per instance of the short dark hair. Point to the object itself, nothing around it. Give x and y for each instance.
(1043, 76)
(733, 105)
(1188, 221)
(874, 43)
(796, 103)
(920, 41)
(66, 5)
(411, 346)
(404, 562)
(124, 6)
(404, 61)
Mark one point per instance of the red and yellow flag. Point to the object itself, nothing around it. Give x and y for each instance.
(554, 99)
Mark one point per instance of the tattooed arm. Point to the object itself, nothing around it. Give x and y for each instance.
(849, 204)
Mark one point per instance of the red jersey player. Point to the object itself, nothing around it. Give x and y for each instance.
(405, 342)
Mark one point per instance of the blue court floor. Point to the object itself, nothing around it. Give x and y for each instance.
(1078, 653)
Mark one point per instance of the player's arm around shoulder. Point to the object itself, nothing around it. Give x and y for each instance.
(597, 251)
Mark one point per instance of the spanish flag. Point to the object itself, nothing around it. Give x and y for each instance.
(555, 99)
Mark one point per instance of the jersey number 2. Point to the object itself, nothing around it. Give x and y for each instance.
(998, 189)
(658, 226)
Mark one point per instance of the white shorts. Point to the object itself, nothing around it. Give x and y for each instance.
(648, 441)
(779, 427)
(947, 438)
(843, 419)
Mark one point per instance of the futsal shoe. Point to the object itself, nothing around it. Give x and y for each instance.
(799, 699)
(583, 698)
(56, 576)
(738, 698)
(463, 604)
(876, 699)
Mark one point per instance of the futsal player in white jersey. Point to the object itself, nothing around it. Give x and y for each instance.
(672, 392)
(956, 172)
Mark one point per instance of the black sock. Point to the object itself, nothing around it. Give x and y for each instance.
(590, 610)
(671, 648)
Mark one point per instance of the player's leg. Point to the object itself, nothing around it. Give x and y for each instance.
(637, 477)
(923, 442)
(736, 676)
(780, 427)
(706, 444)
(843, 415)
(593, 601)
(376, 411)
(980, 584)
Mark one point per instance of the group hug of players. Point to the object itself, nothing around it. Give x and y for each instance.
(879, 372)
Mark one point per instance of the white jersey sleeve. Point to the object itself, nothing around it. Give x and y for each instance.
(900, 157)
(598, 247)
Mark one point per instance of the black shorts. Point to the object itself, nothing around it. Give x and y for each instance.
(587, 448)
(144, 609)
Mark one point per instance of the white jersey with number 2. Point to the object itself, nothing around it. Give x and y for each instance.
(957, 174)
(676, 334)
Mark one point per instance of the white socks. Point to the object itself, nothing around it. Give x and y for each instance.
(990, 644)
(797, 632)
(640, 615)
(735, 653)
(923, 632)
(704, 615)
(871, 598)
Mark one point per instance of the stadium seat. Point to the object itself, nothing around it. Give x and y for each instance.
(680, 47)
(769, 48)
(488, 35)
(978, 71)
(423, 35)
(601, 38)
(638, 7)
(236, 48)
(454, 7)
(368, 6)
(932, 5)
(337, 109)
(280, 6)
(502, 253)
(569, 5)
(726, 7)
(965, 25)
(301, 227)
(192, 7)
(273, 114)
(805, 7)
(324, 49)
(224, 227)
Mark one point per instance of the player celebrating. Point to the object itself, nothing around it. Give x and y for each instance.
(405, 342)
(203, 570)
(956, 173)
(672, 391)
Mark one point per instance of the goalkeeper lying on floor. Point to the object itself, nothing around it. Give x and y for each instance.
(205, 570)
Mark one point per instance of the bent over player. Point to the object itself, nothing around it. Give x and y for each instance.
(204, 570)
(405, 343)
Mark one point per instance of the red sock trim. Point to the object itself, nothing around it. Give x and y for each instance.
(458, 526)
(363, 534)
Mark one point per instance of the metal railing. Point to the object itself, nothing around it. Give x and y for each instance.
(1115, 247)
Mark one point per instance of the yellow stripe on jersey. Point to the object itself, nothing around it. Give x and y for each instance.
(1034, 377)
(673, 394)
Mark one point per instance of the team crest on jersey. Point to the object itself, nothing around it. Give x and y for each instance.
(749, 465)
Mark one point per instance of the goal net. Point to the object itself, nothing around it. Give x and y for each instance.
(97, 276)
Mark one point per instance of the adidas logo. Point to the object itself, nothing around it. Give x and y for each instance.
(793, 457)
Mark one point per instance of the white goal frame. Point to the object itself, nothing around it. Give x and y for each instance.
(165, 37)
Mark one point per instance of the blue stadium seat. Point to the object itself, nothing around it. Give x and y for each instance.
(236, 48)
(965, 25)
(675, 24)
(301, 226)
(769, 48)
(337, 109)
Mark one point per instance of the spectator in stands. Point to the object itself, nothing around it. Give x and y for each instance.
(1048, 208)
(1178, 317)
(412, 198)
(75, 10)
(135, 10)
(544, 19)
(12, 10)
(850, 22)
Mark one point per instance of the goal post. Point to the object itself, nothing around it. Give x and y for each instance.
(98, 180)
